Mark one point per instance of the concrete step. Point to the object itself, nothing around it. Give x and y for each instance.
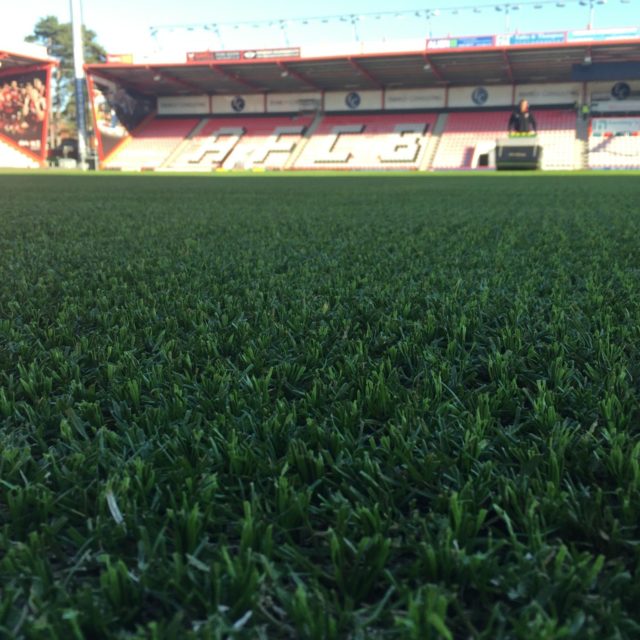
(181, 147)
(297, 152)
(433, 143)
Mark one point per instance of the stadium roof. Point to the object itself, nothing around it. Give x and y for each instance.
(23, 55)
(417, 69)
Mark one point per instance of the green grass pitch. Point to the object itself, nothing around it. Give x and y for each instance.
(350, 407)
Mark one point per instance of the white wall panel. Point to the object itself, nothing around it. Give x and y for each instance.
(238, 104)
(353, 100)
(535, 94)
(481, 96)
(291, 102)
(414, 99)
(183, 105)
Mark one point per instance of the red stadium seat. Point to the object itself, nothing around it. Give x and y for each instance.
(150, 145)
(348, 141)
(465, 133)
(385, 141)
(241, 143)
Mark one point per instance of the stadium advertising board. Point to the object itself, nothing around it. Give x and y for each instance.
(532, 39)
(414, 99)
(613, 106)
(467, 42)
(616, 126)
(183, 105)
(23, 111)
(547, 94)
(238, 55)
(353, 100)
(603, 35)
(480, 97)
(528, 39)
(116, 112)
(120, 58)
(292, 102)
(238, 104)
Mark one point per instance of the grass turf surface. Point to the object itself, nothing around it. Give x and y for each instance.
(319, 407)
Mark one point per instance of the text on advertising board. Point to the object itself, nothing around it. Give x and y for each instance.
(250, 54)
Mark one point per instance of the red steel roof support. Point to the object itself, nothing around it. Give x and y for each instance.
(171, 78)
(219, 69)
(98, 73)
(507, 61)
(367, 74)
(18, 70)
(436, 72)
(299, 76)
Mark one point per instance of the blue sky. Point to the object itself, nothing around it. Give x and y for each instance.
(123, 26)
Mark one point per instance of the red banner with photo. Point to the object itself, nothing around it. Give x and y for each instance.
(24, 99)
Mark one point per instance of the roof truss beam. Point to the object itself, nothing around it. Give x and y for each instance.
(507, 62)
(20, 70)
(220, 70)
(127, 84)
(179, 81)
(366, 73)
(299, 76)
(434, 68)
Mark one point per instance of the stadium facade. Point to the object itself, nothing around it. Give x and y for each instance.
(442, 105)
(25, 105)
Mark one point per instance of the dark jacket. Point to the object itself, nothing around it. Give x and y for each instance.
(522, 122)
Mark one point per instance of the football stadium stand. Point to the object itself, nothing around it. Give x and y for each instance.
(247, 143)
(614, 143)
(614, 152)
(151, 144)
(469, 136)
(384, 141)
(443, 104)
(346, 141)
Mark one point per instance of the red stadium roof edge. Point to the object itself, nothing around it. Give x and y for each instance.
(9, 58)
(424, 68)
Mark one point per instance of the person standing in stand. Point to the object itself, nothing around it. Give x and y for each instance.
(522, 120)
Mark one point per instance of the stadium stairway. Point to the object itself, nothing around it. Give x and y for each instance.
(165, 166)
(149, 146)
(434, 142)
(299, 150)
